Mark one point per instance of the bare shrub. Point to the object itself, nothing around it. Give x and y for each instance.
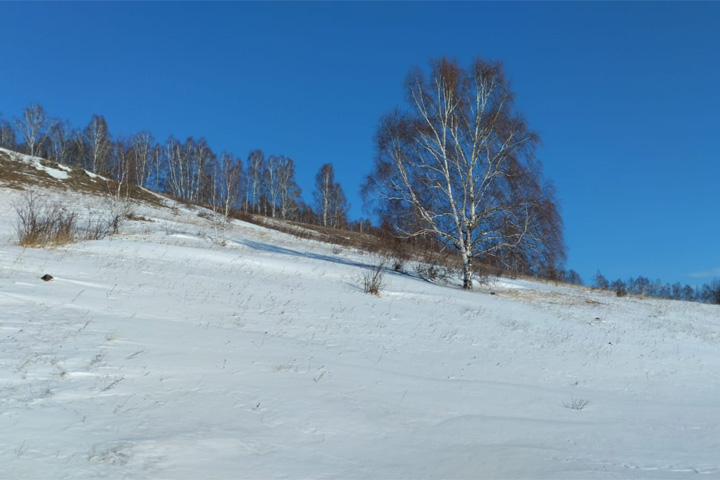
(576, 403)
(374, 280)
(619, 287)
(431, 271)
(41, 222)
(119, 209)
(484, 273)
(108, 222)
(115, 221)
(97, 229)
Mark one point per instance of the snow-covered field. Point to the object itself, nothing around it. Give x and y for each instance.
(159, 353)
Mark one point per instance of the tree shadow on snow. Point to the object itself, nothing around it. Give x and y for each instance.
(266, 247)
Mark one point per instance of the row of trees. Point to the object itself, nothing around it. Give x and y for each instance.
(187, 169)
(706, 293)
(455, 167)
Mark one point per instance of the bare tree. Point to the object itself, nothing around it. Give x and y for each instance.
(255, 167)
(279, 186)
(142, 144)
(97, 145)
(288, 189)
(32, 127)
(188, 168)
(7, 135)
(305, 213)
(573, 278)
(460, 159)
(177, 164)
(324, 183)
(714, 289)
(203, 159)
(270, 180)
(338, 207)
(228, 184)
(330, 199)
(600, 281)
(122, 166)
(61, 142)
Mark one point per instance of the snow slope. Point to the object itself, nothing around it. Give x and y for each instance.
(159, 353)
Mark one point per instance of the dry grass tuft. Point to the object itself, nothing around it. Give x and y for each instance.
(374, 280)
(41, 223)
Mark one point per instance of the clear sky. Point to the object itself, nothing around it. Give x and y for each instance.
(626, 97)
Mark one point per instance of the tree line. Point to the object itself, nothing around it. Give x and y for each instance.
(641, 286)
(706, 293)
(455, 169)
(187, 169)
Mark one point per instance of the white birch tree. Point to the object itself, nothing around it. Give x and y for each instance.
(61, 142)
(7, 135)
(32, 127)
(142, 144)
(280, 187)
(338, 207)
(270, 178)
(228, 184)
(189, 166)
(121, 166)
(460, 160)
(324, 183)
(97, 140)
(330, 199)
(255, 167)
(289, 191)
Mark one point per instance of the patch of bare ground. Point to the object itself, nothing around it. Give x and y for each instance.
(20, 175)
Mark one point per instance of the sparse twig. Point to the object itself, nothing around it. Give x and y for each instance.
(113, 383)
(374, 280)
(20, 451)
(576, 403)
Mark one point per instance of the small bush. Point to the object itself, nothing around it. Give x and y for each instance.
(484, 273)
(374, 280)
(118, 210)
(97, 229)
(431, 271)
(576, 403)
(620, 288)
(40, 222)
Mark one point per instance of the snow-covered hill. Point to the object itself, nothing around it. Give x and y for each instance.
(162, 352)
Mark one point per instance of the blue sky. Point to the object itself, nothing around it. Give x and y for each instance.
(624, 95)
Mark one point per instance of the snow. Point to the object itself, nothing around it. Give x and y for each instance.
(60, 173)
(160, 353)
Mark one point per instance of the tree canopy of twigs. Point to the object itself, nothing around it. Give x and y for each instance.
(459, 164)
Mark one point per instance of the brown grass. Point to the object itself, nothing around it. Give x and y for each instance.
(41, 223)
(23, 176)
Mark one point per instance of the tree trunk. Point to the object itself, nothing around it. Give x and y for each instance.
(467, 271)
